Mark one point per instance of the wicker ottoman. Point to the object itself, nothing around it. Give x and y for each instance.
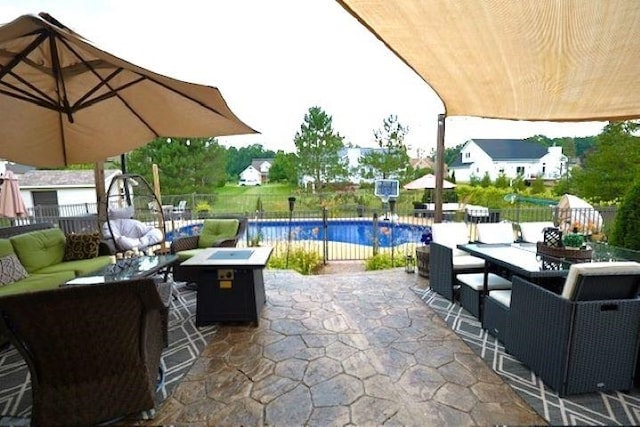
(495, 313)
(471, 286)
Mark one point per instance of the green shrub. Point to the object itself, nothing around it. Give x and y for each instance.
(302, 260)
(626, 230)
(383, 261)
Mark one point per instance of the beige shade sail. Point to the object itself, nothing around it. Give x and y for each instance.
(64, 101)
(427, 181)
(552, 60)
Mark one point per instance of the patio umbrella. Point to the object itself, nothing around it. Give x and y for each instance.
(64, 101)
(11, 203)
(574, 212)
(427, 181)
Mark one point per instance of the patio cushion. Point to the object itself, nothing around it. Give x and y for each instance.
(502, 297)
(11, 270)
(464, 262)
(5, 247)
(476, 281)
(451, 234)
(39, 249)
(495, 233)
(82, 246)
(214, 230)
(533, 232)
(629, 268)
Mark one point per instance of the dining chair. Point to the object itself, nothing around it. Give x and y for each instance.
(446, 260)
(584, 339)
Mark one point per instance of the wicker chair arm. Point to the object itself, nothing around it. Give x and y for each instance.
(184, 243)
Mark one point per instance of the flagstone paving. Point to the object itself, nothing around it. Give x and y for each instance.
(343, 349)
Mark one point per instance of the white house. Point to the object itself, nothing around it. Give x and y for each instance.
(511, 157)
(61, 187)
(258, 170)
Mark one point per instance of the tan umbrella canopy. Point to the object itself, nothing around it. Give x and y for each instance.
(556, 60)
(427, 181)
(64, 101)
(11, 203)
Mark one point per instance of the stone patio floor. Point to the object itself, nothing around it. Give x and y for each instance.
(352, 348)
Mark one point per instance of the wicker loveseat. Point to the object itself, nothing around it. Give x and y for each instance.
(93, 351)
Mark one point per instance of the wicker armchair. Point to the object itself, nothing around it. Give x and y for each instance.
(93, 351)
(585, 340)
(444, 266)
(185, 247)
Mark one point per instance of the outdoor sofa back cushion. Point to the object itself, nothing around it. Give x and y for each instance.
(607, 268)
(5, 247)
(451, 234)
(494, 233)
(217, 229)
(39, 249)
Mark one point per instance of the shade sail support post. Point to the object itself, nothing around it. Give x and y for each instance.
(437, 216)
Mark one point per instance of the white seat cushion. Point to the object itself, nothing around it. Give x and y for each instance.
(476, 281)
(597, 269)
(467, 261)
(533, 232)
(494, 233)
(502, 297)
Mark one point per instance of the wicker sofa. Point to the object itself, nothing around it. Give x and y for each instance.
(215, 232)
(93, 351)
(40, 249)
(585, 339)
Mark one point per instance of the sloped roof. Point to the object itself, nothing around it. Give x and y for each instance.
(61, 178)
(257, 163)
(511, 149)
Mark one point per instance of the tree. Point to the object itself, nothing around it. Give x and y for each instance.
(612, 164)
(193, 165)
(626, 229)
(284, 168)
(392, 160)
(318, 148)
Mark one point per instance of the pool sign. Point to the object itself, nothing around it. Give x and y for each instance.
(387, 188)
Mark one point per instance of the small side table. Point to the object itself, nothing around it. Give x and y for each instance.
(422, 259)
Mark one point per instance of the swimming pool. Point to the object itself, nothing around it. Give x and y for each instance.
(355, 231)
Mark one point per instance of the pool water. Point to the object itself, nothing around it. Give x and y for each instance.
(359, 232)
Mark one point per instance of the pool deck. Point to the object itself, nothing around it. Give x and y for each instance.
(357, 348)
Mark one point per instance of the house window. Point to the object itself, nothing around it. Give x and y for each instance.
(467, 155)
(501, 170)
(520, 170)
(544, 168)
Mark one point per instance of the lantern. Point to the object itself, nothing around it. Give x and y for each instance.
(409, 264)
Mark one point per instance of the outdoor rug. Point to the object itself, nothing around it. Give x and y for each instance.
(185, 344)
(613, 408)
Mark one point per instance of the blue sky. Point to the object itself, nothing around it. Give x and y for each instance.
(272, 60)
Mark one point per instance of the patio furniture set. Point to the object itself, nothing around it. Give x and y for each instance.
(92, 338)
(574, 322)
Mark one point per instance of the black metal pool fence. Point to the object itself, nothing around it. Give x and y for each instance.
(357, 234)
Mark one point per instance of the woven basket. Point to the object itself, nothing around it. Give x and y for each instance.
(565, 253)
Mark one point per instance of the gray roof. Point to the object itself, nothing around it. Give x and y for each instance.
(256, 163)
(61, 178)
(511, 149)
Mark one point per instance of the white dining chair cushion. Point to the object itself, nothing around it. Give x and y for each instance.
(501, 296)
(450, 234)
(476, 281)
(467, 261)
(533, 232)
(494, 233)
(596, 269)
